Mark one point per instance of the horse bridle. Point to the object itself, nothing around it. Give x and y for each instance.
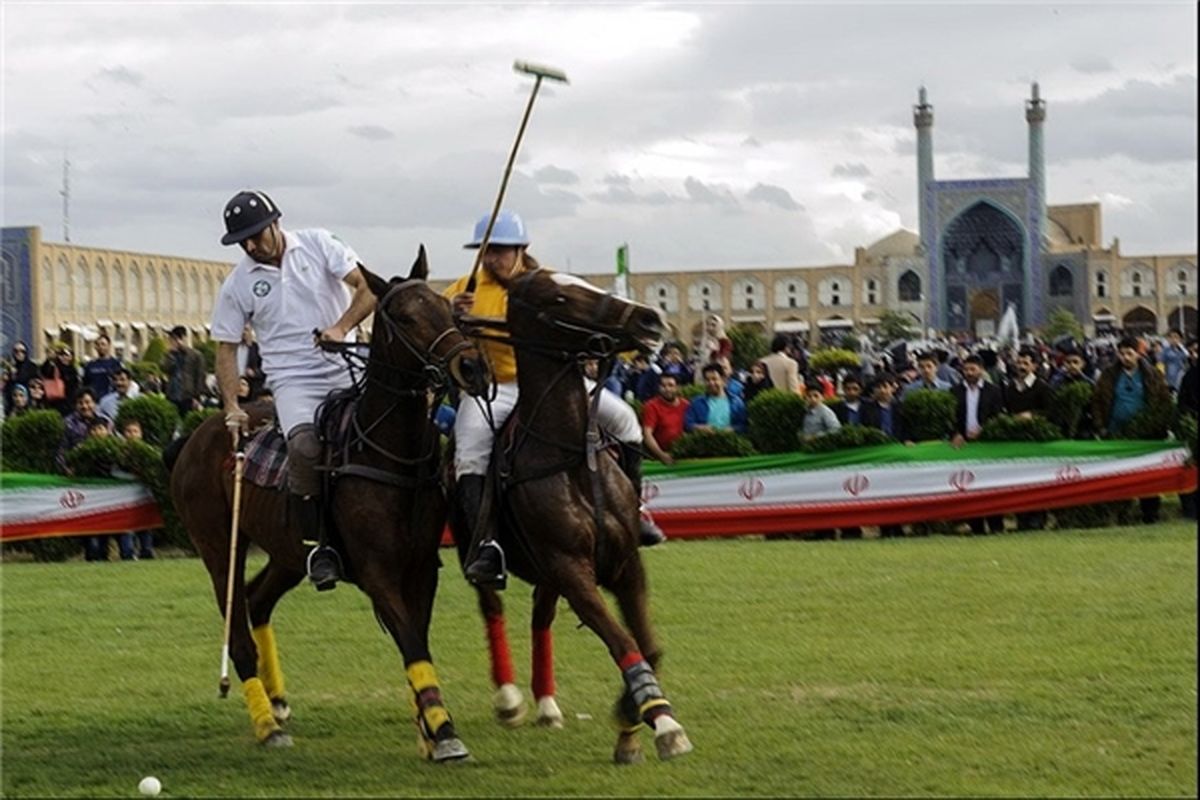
(432, 375)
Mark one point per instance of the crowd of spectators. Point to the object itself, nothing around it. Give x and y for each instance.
(1129, 373)
(985, 381)
(89, 395)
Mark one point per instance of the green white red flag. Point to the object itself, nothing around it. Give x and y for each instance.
(37, 506)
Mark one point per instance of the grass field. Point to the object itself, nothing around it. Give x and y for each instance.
(1057, 663)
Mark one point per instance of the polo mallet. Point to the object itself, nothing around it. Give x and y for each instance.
(539, 74)
(238, 467)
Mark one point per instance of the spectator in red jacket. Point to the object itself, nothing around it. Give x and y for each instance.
(662, 419)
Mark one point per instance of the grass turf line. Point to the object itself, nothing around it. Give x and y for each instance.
(1056, 663)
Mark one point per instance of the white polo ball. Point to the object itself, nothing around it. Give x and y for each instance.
(150, 786)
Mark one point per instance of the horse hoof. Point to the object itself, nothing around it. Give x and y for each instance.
(278, 739)
(628, 750)
(449, 750)
(549, 714)
(281, 710)
(670, 739)
(509, 706)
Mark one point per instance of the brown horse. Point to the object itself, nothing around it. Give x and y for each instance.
(567, 515)
(389, 508)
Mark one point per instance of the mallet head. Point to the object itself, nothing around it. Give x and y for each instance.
(540, 71)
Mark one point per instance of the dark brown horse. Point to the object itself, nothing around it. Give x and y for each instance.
(567, 515)
(388, 506)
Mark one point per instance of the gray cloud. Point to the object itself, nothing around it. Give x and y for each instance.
(1091, 64)
(553, 174)
(851, 170)
(709, 193)
(775, 116)
(121, 74)
(372, 133)
(773, 195)
(619, 191)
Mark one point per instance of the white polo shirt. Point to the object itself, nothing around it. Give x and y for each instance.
(284, 304)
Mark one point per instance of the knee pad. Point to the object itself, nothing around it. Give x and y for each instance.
(304, 453)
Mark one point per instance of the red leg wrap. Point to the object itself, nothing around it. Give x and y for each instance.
(629, 659)
(543, 663)
(502, 668)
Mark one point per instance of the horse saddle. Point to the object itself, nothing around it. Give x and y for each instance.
(266, 452)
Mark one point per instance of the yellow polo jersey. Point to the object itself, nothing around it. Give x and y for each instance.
(491, 300)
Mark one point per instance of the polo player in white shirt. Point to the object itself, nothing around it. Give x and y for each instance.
(288, 284)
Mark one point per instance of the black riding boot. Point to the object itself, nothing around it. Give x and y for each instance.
(631, 464)
(485, 558)
(324, 566)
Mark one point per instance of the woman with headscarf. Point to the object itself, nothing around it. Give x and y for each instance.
(713, 344)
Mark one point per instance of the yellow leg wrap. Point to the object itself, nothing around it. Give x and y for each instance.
(259, 706)
(649, 704)
(422, 676)
(268, 661)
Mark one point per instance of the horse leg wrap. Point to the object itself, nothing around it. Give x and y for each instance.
(643, 689)
(268, 661)
(259, 706)
(432, 713)
(497, 636)
(543, 663)
(625, 715)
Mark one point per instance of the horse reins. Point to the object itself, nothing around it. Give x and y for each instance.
(432, 375)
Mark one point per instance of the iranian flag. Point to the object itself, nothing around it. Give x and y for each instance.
(893, 484)
(36, 506)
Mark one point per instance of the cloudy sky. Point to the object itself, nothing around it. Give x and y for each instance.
(704, 135)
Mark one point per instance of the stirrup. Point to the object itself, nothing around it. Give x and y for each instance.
(331, 560)
(480, 574)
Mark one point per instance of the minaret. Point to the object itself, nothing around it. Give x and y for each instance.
(923, 120)
(1035, 115)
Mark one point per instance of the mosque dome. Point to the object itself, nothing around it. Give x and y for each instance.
(901, 242)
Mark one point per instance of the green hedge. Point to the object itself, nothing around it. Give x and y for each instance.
(1005, 428)
(193, 418)
(711, 444)
(29, 441)
(1072, 402)
(145, 369)
(158, 416)
(156, 350)
(928, 414)
(1152, 422)
(97, 457)
(848, 436)
(830, 359)
(749, 345)
(1185, 431)
(775, 417)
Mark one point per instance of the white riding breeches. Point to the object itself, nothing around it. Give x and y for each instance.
(615, 417)
(473, 436)
(297, 398)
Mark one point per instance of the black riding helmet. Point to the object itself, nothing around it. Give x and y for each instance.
(247, 214)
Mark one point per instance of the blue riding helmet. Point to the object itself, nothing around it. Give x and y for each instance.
(508, 230)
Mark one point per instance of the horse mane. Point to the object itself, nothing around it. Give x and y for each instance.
(529, 263)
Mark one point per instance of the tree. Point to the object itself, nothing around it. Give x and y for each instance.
(156, 348)
(893, 325)
(1061, 322)
(208, 349)
(749, 345)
